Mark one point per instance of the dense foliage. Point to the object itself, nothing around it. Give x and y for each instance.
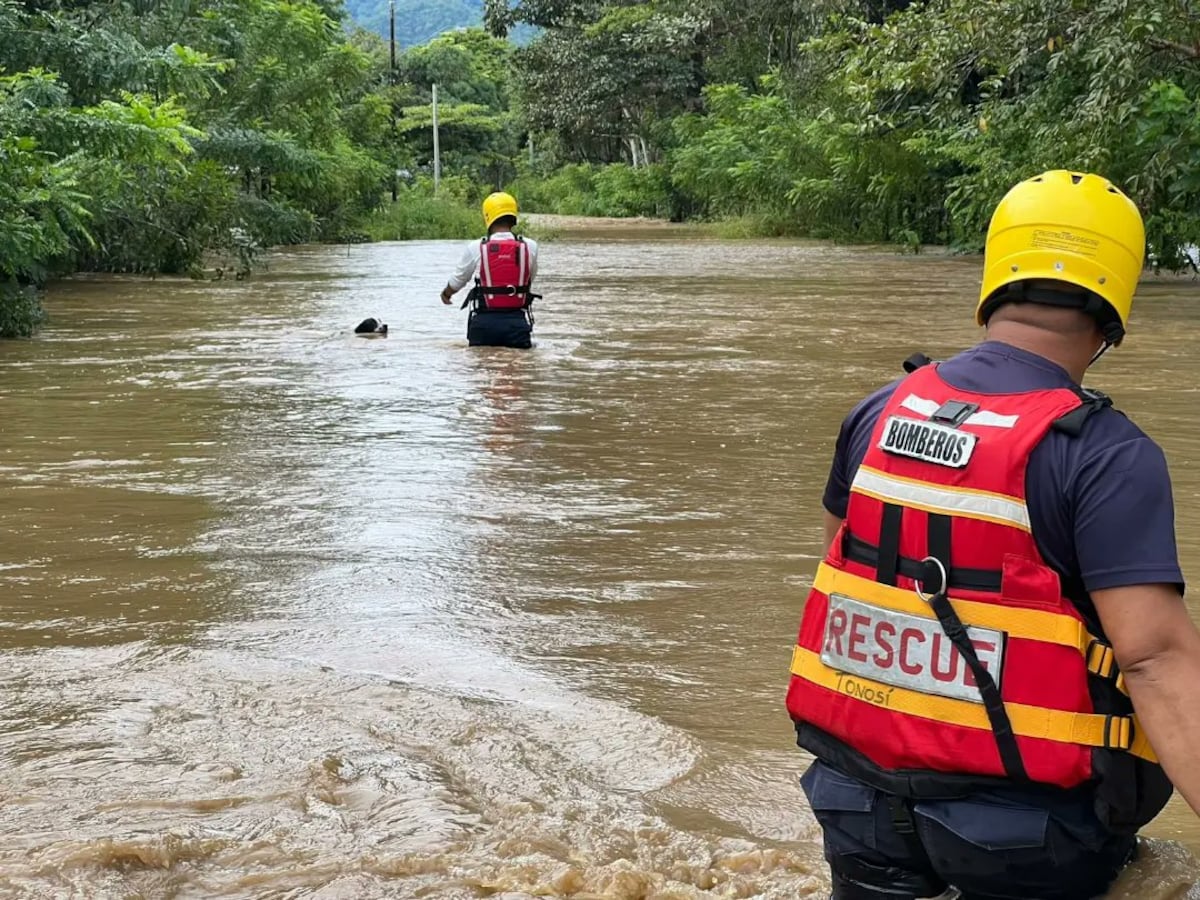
(174, 135)
(185, 135)
(864, 119)
(480, 134)
(140, 135)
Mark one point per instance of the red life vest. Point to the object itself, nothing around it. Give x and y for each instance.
(503, 273)
(880, 689)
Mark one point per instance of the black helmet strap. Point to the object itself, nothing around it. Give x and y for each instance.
(1088, 301)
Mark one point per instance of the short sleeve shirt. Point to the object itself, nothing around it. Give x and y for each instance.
(1100, 503)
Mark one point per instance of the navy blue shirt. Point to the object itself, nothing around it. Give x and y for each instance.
(1100, 504)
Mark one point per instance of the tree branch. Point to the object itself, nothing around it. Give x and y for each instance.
(1191, 51)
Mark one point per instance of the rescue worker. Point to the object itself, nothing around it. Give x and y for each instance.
(506, 265)
(1000, 591)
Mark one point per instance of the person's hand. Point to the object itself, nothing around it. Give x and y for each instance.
(446, 295)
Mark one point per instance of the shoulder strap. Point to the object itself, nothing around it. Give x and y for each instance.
(1090, 401)
(523, 262)
(916, 361)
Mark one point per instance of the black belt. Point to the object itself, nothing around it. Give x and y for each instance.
(496, 310)
(859, 551)
(507, 290)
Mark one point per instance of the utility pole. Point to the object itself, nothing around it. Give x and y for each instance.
(392, 84)
(437, 155)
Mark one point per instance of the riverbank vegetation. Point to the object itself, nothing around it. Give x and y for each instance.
(880, 120)
(187, 135)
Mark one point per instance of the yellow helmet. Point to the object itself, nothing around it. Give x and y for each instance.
(1069, 227)
(498, 205)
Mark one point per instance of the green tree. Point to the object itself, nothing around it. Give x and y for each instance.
(480, 135)
(608, 89)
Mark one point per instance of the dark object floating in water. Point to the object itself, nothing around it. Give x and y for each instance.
(371, 326)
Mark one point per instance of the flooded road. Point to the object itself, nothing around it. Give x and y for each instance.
(289, 613)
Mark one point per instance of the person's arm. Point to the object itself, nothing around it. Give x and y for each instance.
(1158, 648)
(1123, 512)
(832, 524)
(532, 245)
(836, 498)
(848, 452)
(465, 271)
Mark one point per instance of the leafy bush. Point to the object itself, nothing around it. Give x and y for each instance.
(21, 309)
(418, 215)
(614, 190)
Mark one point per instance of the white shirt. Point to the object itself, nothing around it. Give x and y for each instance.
(469, 261)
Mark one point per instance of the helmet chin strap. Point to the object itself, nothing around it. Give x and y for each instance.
(1112, 332)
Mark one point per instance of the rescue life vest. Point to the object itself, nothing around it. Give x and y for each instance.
(938, 654)
(503, 280)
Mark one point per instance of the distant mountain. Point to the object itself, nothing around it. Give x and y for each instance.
(416, 20)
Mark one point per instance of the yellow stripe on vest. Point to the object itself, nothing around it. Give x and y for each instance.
(1085, 729)
(1017, 621)
(1141, 744)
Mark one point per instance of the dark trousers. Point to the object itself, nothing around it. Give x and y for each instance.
(500, 328)
(995, 845)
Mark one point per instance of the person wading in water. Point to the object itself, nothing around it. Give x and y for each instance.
(1001, 592)
(504, 266)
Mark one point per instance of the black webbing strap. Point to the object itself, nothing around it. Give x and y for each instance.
(474, 295)
(507, 290)
(1086, 301)
(889, 544)
(905, 825)
(916, 361)
(1006, 741)
(939, 541)
(857, 550)
(1089, 402)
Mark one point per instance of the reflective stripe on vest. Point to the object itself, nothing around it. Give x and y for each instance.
(876, 671)
(504, 273)
(954, 501)
(1111, 732)
(1014, 621)
(875, 660)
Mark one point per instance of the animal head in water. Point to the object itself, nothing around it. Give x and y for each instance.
(371, 326)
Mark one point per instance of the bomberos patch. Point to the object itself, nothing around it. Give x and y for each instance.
(929, 441)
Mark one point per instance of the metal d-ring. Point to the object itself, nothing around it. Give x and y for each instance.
(928, 598)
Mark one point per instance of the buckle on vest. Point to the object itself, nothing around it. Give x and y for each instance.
(1101, 660)
(931, 569)
(901, 815)
(1118, 732)
(954, 412)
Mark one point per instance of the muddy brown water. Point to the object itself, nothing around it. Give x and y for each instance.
(289, 613)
